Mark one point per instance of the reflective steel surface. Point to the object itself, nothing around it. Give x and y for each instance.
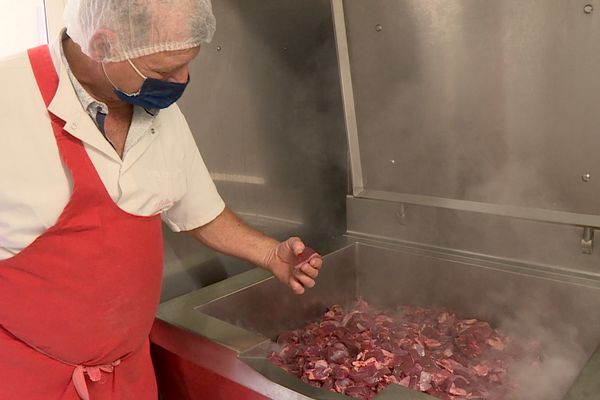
(244, 313)
(529, 241)
(265, 109)
(475, 105)
(478, 101)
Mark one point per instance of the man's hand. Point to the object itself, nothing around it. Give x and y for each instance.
(283, 262)
(230, 235)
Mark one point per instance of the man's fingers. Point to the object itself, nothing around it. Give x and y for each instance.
(295, 245)
(305, 280)
(296, 286)
(316, 262)
(309, 270)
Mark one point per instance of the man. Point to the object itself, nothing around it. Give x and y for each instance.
(94, 152)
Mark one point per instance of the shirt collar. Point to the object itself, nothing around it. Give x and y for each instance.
(87, 102)
(74, 105)
(67, 106)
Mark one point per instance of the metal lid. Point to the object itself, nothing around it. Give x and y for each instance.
(488, 107)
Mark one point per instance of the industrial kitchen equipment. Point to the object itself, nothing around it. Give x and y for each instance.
(471, 131)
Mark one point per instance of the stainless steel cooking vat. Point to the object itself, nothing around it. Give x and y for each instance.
(245, 313)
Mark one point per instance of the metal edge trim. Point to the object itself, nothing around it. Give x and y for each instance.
(525, 213)
(587, 385)
(214, 292)
(543, 271)
(185, 312)
(341, 41)
(232, 337)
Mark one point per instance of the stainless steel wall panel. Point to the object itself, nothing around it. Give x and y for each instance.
(475, 100)
(265, 109)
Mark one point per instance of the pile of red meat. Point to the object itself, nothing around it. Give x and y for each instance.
(358, 352)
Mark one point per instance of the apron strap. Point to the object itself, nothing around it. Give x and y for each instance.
(47, 81)
(44, 72)
(70, 148)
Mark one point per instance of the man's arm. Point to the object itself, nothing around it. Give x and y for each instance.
(230, 235)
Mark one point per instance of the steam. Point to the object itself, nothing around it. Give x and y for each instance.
(545, 372)
(550, 380)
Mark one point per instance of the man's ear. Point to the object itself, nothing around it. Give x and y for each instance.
(101, 44)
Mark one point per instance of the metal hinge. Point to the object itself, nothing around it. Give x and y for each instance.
(587, 241)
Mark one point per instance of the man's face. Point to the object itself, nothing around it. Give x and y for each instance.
(171, 66)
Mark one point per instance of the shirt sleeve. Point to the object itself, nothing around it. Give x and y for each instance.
(201, 202)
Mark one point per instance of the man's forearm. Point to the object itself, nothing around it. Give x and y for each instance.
(230, 235)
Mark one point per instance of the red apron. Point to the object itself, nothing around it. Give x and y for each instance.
(77, 305)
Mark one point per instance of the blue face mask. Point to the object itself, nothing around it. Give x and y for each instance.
(154, 93)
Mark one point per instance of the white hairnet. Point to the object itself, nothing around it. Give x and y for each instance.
(124, 29)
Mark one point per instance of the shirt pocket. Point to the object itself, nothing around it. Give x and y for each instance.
(168, 187)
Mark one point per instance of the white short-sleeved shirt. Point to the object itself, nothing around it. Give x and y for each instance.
(161, 171)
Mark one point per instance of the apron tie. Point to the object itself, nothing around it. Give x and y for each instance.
(94, 373)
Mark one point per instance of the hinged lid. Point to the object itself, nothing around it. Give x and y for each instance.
(491, 107)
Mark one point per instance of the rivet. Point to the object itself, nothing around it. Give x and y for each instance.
(586, 177)
(219, 48)
(378, 27)
(588, 8)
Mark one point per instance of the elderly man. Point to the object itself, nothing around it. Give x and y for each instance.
(94, 152)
